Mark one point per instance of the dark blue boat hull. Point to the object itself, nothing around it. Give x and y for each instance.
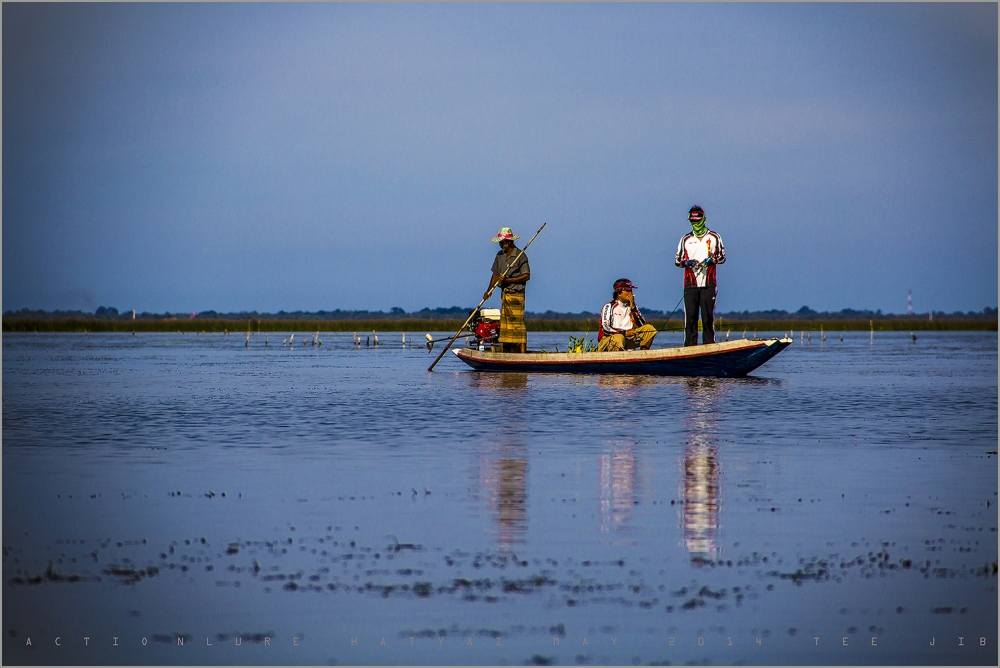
(728, 360)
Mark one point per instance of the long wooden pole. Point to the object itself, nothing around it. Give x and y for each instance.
(490, 293)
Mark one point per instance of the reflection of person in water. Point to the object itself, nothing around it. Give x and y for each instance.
(701, 468)
(618, 485)
(505, 481)
(701, 497)
(511, 499)
(502, 468)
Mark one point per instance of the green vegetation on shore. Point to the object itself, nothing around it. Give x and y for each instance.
(535, 323)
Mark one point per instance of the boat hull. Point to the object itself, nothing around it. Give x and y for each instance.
(730, 359)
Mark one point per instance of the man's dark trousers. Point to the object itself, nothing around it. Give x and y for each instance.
(699, 300)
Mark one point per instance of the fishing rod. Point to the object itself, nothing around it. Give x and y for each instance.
(700, 265)
(489, 293)
(672, 312)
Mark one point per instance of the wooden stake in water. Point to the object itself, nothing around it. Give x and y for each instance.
(871, 333)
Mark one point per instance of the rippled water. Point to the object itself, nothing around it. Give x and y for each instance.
(346, 500)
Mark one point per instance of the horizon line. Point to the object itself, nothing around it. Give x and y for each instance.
(110, 311)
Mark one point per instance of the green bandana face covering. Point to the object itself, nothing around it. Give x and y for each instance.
(700, 227)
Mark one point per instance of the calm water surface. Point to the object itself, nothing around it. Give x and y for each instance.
(333, 504)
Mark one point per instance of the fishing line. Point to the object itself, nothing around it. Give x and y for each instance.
(672, 312)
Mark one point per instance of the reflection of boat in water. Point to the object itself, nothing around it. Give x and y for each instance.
(726, 359)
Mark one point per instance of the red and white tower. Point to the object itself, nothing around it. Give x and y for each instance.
(909, 302)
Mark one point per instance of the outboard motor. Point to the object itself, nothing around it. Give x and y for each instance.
(485, 327)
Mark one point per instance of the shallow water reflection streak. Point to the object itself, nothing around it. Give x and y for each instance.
(618, 480)
(503, 469)
(503, 477)
(701, 488)
(502, 383)
(625, 386)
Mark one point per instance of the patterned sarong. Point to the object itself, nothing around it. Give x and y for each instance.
(512, 329)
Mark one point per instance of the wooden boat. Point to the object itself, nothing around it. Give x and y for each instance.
(730, 359)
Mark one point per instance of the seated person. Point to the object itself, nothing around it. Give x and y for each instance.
(622, 325)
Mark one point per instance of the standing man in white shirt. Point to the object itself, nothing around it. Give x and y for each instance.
(698, 253)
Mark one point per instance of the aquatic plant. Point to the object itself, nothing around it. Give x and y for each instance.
(581, 345)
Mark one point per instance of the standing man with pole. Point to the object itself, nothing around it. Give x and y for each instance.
(510, 267)
(698, 253)
(497, 280)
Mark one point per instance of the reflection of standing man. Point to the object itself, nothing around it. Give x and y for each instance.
(702, 474)
(503, 479)
(701, 496)
(513, 333)
(698, 253)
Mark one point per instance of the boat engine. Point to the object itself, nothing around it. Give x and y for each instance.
(485, 327)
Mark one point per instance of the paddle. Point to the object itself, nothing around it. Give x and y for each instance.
(488, 295)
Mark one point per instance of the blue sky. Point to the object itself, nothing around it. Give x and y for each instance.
(263, 157)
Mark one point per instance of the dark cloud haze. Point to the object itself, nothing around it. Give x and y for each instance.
(228, 157)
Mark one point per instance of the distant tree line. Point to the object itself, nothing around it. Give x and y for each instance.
(443, 319)
(460, 312)
(805, 313)
(112, 313)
